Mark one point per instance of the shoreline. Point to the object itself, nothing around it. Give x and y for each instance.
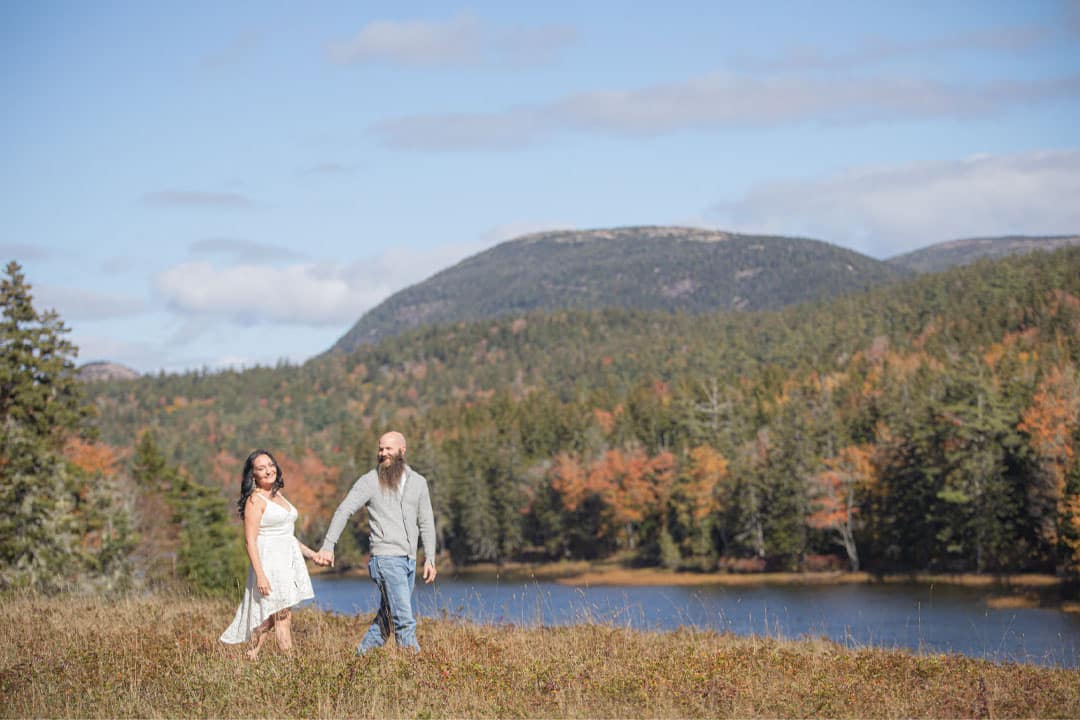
(586, 573)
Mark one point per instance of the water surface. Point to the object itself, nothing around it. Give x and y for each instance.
(921, 618)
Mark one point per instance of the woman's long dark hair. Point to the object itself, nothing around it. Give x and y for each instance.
(247, 480)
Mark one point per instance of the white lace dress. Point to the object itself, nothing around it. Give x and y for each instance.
(283, 564)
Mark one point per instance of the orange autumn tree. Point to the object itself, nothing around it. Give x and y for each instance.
(569, 480)
(584, 525)
(833, 496)
(1051, 423)
(708, 468)
(634, 486)
(226, 471)
(91, 458)
(629, 484)
(697, 496)
(103, 510)
(311, 487)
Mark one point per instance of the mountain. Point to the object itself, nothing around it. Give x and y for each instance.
(943, 256)
(544, 426)
(645, 268)
(99, 371)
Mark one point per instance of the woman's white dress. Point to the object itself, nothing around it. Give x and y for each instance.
(283, 564)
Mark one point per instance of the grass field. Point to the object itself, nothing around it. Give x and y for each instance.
(160, 657)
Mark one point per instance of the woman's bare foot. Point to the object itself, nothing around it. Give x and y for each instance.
(283, 631)
(258, 637)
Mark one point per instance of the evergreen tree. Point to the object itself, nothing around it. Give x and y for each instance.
(206, 548)
(148, 464)
(155, 555)
(210, 558)
(979, 432)
(40, 405)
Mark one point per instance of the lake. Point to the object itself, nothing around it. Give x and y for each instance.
(920, 618)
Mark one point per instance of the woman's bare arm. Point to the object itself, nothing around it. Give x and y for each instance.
(252, 515)
(307, 552)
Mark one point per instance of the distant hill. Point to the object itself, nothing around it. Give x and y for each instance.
(99, 371)
(943, 256)
(646, 268)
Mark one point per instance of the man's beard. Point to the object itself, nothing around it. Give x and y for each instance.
(390, 473)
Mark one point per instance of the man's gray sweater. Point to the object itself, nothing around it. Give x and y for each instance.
(397, 519)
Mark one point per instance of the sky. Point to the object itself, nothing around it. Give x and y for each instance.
(202, 185)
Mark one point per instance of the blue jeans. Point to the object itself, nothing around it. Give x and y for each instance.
(395, 577)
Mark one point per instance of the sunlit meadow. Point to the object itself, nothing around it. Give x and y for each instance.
(160, 657)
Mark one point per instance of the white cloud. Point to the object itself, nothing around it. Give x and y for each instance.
(874, 50)
(194, 199)
(240, 249)
(242, 47)
(248, 294)
(21, 252)
(315, 295)
(138, 356)
(118, 264)
(520, 46)
(308, 294)
(717, 101)
(79, 304)
(456, 41)
(1072, 17)
(885, 211)
(462, 40)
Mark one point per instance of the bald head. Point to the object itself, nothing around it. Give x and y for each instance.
(391, 447)
(393, 438)
(391, 460)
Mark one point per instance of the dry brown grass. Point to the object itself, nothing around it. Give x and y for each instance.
(159, 657)
(1005, 602)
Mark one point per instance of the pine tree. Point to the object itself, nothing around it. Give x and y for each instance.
(210, 557)
(67, 522)
(40, 404)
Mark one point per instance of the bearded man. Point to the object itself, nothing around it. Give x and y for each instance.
(399, 513)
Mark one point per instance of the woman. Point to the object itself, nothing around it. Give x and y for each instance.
(278, 577)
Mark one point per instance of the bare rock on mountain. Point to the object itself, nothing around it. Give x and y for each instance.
(102, 371)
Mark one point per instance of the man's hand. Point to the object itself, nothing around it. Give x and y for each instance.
(430, 572)
(324, 558)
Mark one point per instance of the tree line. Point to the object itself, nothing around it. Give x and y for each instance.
(929, 425)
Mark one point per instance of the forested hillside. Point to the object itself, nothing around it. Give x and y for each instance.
(644, 268)
(943, 256)
(929, 424)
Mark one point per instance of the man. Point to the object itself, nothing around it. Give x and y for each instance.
(398, 507)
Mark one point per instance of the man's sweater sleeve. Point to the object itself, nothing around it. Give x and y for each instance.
(427, 526)
(356, 498)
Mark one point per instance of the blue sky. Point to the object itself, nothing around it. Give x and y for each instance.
(228, 184)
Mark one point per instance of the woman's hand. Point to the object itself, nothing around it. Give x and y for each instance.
(263, 584)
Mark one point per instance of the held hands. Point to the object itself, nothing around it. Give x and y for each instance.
(324, 558)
